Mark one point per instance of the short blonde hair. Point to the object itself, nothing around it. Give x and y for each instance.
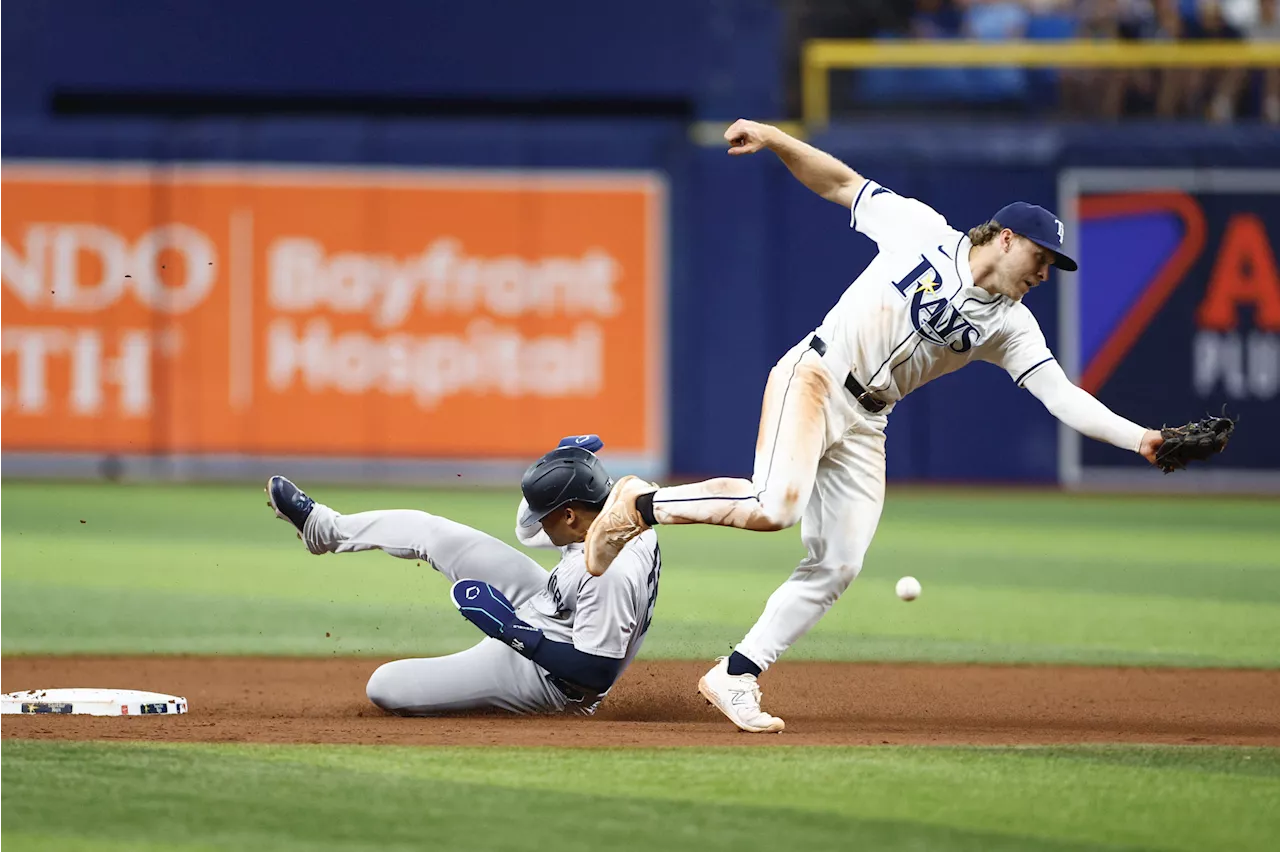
(985, 233)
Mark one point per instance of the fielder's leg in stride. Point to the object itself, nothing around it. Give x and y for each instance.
(818, 461)
(931, 301)
(556, 641)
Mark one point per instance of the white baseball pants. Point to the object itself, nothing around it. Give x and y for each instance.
(487, 676)
(819, 460)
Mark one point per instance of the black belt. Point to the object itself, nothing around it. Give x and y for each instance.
(861, 394)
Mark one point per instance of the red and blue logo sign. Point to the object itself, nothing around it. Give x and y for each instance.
(1179, 311)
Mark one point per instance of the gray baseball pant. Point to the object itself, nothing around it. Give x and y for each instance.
(487, 676)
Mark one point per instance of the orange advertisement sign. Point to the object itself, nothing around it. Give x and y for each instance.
(330, 312)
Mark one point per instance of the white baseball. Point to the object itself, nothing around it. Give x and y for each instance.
(908, 588)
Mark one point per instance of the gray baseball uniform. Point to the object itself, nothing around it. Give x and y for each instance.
(606, 616)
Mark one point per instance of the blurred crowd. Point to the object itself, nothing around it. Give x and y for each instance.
(1217, 95)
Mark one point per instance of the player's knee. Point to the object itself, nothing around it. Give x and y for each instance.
(382, 689)
(846, 574)
(772, 523)
(839, 577)
(781, 518)
(780, 511)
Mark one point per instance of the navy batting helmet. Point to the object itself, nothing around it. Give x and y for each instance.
(564, 475)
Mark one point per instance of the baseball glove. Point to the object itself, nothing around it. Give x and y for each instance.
(1193, 442)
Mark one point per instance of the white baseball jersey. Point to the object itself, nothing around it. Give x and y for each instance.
(607, 616)
(914, 313)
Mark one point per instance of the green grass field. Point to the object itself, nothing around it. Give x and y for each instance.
(1008, 577)
(306, 797)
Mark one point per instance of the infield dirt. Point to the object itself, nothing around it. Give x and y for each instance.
(321, 700)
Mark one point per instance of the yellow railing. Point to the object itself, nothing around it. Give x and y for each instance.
(822, 56)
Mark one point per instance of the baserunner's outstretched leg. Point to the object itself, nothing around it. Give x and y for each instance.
(455, 550)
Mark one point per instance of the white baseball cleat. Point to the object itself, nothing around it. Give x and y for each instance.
(618, 522)
(738, 697)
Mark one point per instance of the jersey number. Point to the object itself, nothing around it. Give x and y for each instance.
(654, 573)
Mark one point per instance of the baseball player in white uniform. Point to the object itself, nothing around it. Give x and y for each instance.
(932, 300)
(556, 642)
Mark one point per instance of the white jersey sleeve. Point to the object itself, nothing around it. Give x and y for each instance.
(530, 534)
(894, 222)
(1020, 346)
(608, 613)
(1078, 409)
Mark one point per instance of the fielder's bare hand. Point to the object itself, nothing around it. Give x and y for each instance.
(747, 137)
(1151, 442)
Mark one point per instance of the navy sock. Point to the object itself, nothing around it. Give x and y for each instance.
(644, 505)
(740, 665)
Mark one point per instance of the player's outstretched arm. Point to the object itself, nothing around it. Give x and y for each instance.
(1080, 410)
(817, 170)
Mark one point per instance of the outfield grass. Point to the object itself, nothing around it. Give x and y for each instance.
(1008, 576)
(114, 796)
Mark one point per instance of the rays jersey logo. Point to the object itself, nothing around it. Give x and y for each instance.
(931, 312)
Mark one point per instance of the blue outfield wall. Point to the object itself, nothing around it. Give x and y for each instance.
(755, 259)
(710, 57)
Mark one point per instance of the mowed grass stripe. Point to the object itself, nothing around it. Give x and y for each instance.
(884, 798)
(953, 625)
(1008, 577)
